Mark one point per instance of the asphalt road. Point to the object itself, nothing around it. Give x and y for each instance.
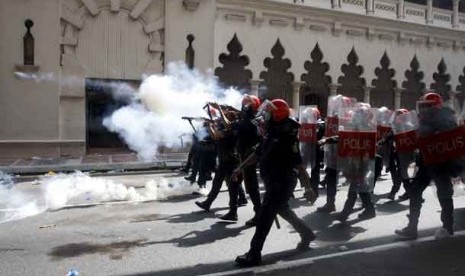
(174, 237)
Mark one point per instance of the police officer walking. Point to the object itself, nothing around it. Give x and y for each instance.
(437, 125)
(278, 157)
(226, 140)
(247, 140)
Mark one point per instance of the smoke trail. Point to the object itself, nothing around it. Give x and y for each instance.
(6, 180)
(154, 118)
(14, 203)
(62, 190)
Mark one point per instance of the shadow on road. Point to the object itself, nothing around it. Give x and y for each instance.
(217, 231)
(191, 217)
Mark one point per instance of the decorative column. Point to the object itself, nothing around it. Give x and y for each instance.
(366, 97)
(370, 7)
(336, 4)
(454, 101)
(401, 9)
(255, 86)
(333, 89)
(296, 94)
(398, 93)
(429, 12)
(455, 13)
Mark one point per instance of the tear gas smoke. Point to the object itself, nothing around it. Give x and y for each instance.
(120, 91)
(153, 115)
(61, 190)
(5, 180)
(14, 203)
(154, 118)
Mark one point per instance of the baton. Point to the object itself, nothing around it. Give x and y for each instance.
(276, 220)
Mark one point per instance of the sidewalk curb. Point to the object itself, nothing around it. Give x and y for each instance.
(289, 265)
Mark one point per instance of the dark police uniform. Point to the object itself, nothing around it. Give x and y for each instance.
(441, 173)
(279, 155)
(227, 162)
(247, 139)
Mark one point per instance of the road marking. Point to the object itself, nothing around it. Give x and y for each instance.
(288, 265)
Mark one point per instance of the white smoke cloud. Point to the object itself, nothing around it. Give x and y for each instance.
(5, 180)
(14, 203)
(64, 190)
(154, 118)
(119, 90)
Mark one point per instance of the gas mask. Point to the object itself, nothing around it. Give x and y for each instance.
(263, 116)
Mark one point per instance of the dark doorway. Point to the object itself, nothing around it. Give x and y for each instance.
(103, 97)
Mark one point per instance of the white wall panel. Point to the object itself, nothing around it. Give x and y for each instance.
(111, 45)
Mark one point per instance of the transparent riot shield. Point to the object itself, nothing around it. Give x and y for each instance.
(308, 117)
(405, 127)
(383, 120)
(335, 105)
(357, 147)
(441, 139)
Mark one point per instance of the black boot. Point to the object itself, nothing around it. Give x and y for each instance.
(404, 196)
(369, 211)
(327, 208)
(190, 178)
(348, 207)
(248, 260)
(230, 216)
(447, 214)
(252, 222)
(203, 205)
(407, 233)
(391, 196)
(304, 244)
(411, 231)
(367, 214)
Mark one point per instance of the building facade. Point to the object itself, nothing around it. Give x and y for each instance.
(386, 52)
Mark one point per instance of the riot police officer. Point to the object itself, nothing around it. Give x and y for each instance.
(434, 118)
(278, 157)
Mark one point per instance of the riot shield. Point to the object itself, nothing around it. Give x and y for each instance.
(335, 105)
(404, 127)
(441, 139)
(383, 120)
(308, 116)
(357, 146)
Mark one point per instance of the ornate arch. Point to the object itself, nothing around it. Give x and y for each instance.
(149, 14)
(352, 84)
(413, 86)
(383, 93)
(316, 81)
(441, 81)
(75, 14)
(277, 81)
(233, 72)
